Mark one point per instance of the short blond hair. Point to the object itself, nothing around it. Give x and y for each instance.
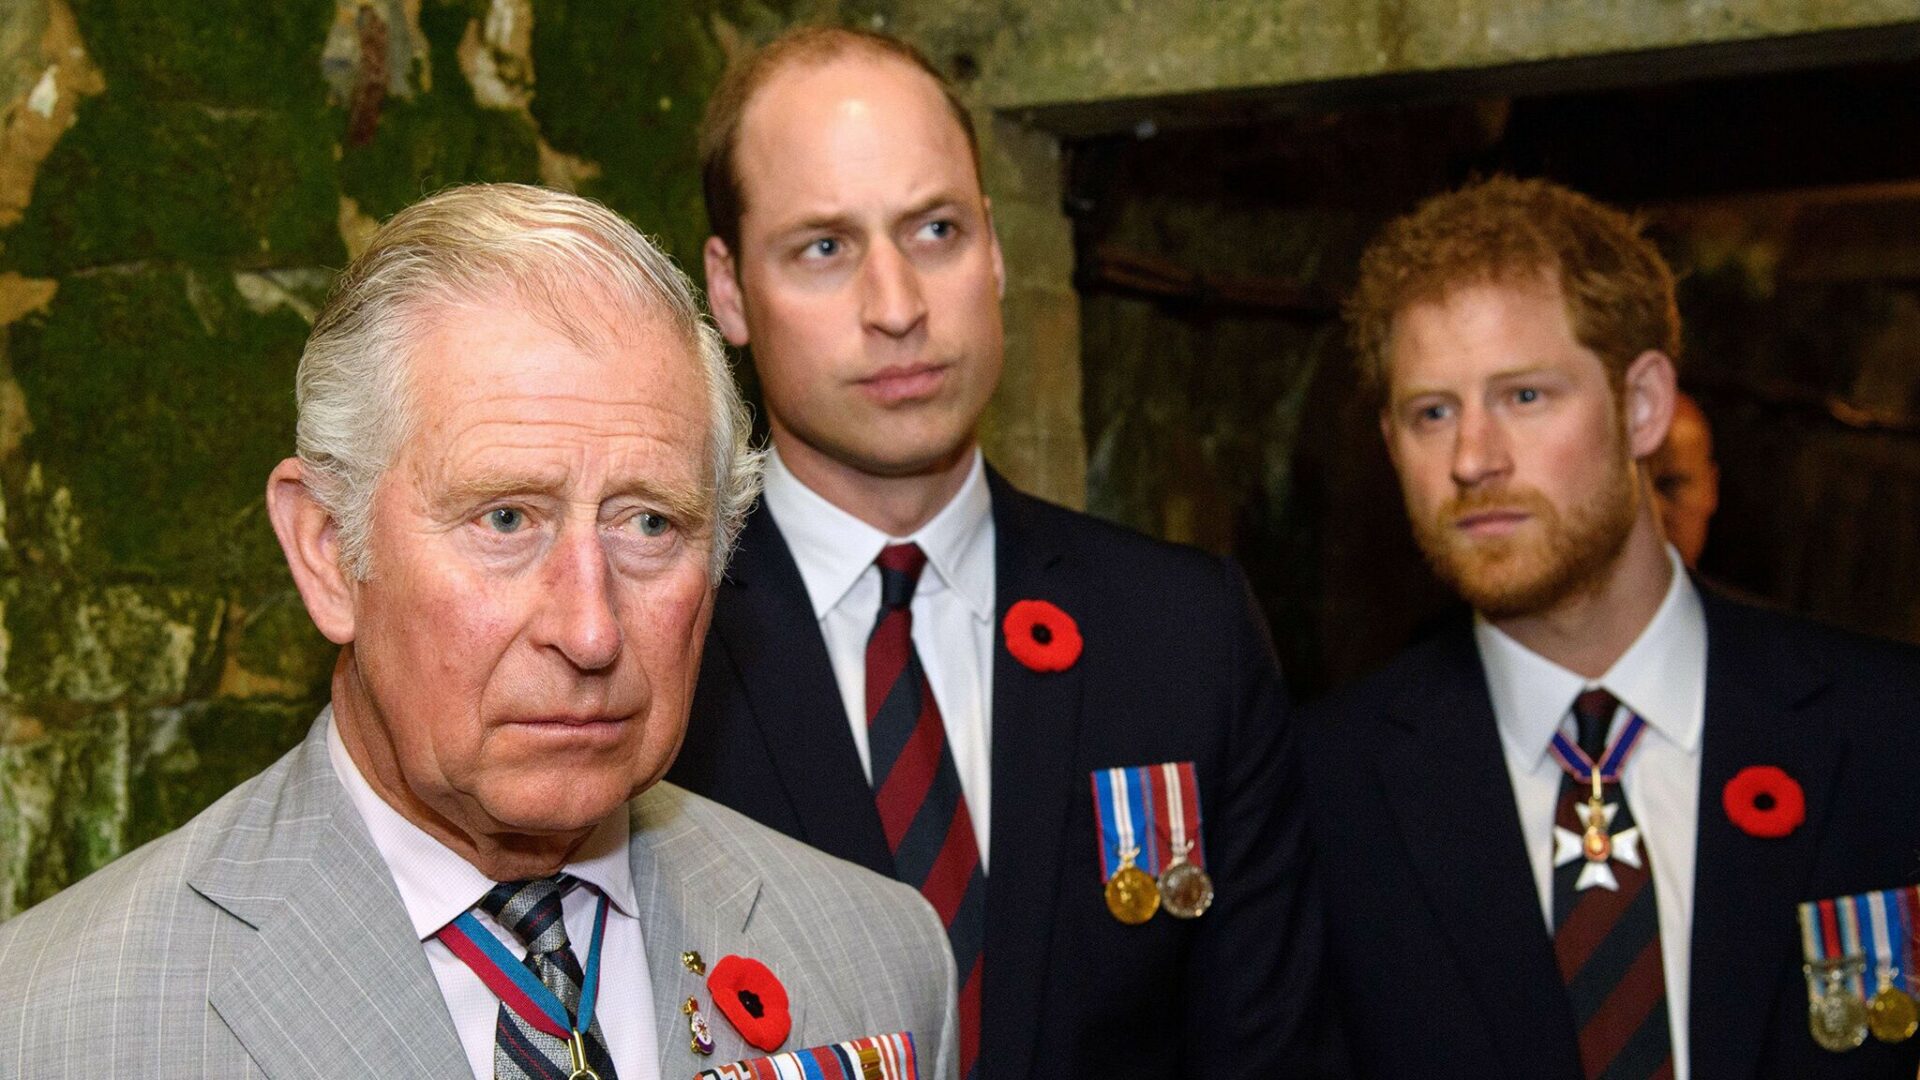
(1618, 290)
(468, 245)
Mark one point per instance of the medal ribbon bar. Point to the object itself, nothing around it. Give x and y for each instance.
(1124, 806)
(876, 1057)
(1176, 803)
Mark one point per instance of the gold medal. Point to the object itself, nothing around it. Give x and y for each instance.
(1892, 1015)
(1186, 890)
(1131, 894)
(1836, 1016)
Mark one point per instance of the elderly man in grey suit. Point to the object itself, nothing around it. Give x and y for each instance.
(522, 463)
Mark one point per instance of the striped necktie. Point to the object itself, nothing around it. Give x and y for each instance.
(917, 788)
(531, 910)
(1606, 926)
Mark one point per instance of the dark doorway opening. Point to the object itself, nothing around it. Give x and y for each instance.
(1215, 238)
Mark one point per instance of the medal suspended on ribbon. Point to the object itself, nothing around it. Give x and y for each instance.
(1150, 851)
(1596, 842)
(1124, 807)
(1185, 889)
(529, 998)
(1860, 967)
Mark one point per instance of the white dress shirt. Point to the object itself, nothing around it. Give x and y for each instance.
(952, 612)
(436, 885)
(1662, 677)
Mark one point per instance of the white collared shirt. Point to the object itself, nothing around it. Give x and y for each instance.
(952, 611)
(1662, 677)
(436, 885)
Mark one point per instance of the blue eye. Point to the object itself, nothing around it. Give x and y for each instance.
(506, 519)
(1526, 395)
(652, 524)
(824, 248)
(940, 230)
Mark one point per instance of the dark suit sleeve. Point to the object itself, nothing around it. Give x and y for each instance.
(1254, 974)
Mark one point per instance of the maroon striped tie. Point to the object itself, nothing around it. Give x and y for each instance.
(1608, 940)
(917, 788)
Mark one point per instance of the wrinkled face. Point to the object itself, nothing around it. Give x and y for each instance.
(1686, 482)
(524, 654)
(1508, 439)
(868, 272)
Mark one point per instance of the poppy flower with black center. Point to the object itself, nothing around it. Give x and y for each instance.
(753, 1001)
(1764, 801)
(1041, 636)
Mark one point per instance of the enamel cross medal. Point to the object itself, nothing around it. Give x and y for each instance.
(1597, 843)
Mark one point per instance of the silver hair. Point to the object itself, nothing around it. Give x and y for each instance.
(473, 245)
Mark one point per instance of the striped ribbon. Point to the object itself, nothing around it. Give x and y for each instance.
(1877, 927)
(876, 1057)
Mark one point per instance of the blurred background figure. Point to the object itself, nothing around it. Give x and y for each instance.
(1686, 480)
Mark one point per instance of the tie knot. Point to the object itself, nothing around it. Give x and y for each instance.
(1593, 713)
(900, 566)
(531, 909)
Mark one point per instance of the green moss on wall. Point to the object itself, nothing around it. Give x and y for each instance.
(138, 179)
(623, 86)
(183, 759)
(237, 54)
(439, 138)
(161, 401)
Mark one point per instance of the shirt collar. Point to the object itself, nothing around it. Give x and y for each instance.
(833, 548)
(436, 885)
(1662, 677)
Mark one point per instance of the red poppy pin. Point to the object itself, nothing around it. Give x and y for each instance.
(752, 999)
(1764, 801)
(1041, 636)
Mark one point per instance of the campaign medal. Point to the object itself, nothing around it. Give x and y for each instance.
(1835, 1014)
(1830, 940)
(1186, 891)
(1892, 1015)
(1131, 894)
(1123, 802)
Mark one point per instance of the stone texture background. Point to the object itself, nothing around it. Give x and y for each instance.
(180, 180)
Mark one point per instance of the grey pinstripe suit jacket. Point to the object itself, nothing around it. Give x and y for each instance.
(265, 937)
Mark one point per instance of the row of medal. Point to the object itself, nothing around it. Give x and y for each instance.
(1150, 855)
(1862, 953)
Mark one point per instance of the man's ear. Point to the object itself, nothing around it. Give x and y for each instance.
(999, 263)
(1651, 388)
(311, 541)
(723, 292)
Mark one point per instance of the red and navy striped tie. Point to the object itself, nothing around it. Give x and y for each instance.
(917, 788)
(1608, 940)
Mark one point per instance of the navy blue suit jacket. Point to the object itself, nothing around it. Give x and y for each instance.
(1177, 666)
(1440, 963)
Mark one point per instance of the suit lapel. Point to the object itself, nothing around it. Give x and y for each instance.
(694, 899)
(765, 622)
(1445, 777)
(1745, 887)
(1036, 720)
(335, 980)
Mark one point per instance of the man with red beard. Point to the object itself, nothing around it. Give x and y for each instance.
(1619, 826)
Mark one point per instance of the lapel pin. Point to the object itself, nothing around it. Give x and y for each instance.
(692, 962)
(699, 1031)
(753, 1000)
(1041, 636)
(1764, 801)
